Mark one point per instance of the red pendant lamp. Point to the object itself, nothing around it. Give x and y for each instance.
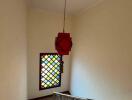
(63, 42)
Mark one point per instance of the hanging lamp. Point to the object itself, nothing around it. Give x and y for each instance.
(63, 42)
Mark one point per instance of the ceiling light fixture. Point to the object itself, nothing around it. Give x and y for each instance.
(63, 42)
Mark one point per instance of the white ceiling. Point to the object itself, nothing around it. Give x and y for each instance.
(73, 6)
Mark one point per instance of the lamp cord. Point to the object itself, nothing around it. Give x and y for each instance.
(64, 17)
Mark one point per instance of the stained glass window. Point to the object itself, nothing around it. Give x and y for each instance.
(50, 70)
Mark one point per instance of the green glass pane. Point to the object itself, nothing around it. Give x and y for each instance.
(48, 78)
(56, 56)
(58, 63)
(53, 59)
(53, 68)
(53, 77)
(56, 66)
(48, 64)
(58, 72)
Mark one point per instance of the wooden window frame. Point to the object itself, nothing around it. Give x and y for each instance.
(61, 71)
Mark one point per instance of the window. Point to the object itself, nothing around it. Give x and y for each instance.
(50, 70)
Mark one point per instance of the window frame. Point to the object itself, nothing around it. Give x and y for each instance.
(61, 70)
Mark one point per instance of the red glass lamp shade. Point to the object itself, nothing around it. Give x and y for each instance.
(63, 43)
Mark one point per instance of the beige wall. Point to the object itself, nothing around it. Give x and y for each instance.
(13, 50)
(43, 27)
(102, 55)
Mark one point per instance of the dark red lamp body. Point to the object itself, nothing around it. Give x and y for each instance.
(63, 43)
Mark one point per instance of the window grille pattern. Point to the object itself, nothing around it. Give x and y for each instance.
(50, 70)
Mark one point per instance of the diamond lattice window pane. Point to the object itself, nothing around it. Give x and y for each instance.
(50, 70)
